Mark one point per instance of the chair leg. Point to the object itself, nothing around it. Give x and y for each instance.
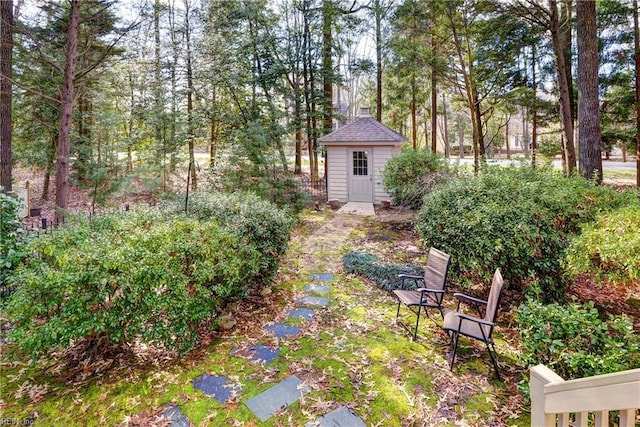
(454, 347)
(494, 356)
(415, 332)
(398, 312)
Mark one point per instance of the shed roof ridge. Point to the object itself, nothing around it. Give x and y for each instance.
(363, 128)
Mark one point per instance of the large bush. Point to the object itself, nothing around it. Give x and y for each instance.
(117, 279)
(413, 174)
(517, 219)
(255, 221)
(574, 341)
(14, 238)
(609, 248)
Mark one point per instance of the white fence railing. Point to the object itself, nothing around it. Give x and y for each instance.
(554, 399)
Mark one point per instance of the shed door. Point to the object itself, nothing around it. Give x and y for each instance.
(360, 175)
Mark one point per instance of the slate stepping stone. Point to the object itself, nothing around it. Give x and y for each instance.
(311, 301)
(278, 397)
(318, 289)
(216, 386)
(341, 417)
(283, 331)
(322, 277)
(257, 353)
(302, 313)
(175, 416)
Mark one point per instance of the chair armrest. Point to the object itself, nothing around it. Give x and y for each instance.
(474, 319)
(435, 291)
(404, 277)
(469, 299)
(410, 276)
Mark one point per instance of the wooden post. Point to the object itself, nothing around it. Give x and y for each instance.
(539, 376)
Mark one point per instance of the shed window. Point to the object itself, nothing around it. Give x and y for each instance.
(360, 163)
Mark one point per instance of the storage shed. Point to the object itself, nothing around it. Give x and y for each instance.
(356, 154)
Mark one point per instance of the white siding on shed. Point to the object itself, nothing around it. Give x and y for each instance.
(337, 185)
(380, 157)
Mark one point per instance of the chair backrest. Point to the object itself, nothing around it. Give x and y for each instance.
(435, 273)
(493, 302)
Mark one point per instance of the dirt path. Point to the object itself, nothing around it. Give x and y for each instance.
(320, 249)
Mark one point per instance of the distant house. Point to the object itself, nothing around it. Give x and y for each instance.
(356, 155)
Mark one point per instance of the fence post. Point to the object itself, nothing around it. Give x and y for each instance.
(539, 376)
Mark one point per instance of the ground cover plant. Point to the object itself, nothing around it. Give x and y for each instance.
(385, 275)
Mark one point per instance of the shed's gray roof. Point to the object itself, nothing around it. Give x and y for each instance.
(365, 129)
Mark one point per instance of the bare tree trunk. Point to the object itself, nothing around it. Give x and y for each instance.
(157, 89)
(6, 58)
(66, 110)
(132, 106)
(176, 48)
(190, 91)
(588, 102)
(83, 143)
(49, 167)
(534, 109)
(213, 140)
(506, 137)
(297, 169)
(465, 59)
(327, 64)
(447, 146)
(460, 136)
(566, 43)
(566, 114)
(636, 43)
(414, 120)
(309, 93)
(434, 95)
(378, 14)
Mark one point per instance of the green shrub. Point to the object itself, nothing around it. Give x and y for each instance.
(413, 174)
(14, 238)
(122, 278)
(385, 275)
(518, 219)
(255, 221)
(574, 341)
(608, 249)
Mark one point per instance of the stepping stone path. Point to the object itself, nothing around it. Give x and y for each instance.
(340, 417)
(290, 390)
(257, 353)
(302, 313)
(317, 302)
(283, 394)
(283, 331)
(216, 387)
(277, 398)
(175, 417)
